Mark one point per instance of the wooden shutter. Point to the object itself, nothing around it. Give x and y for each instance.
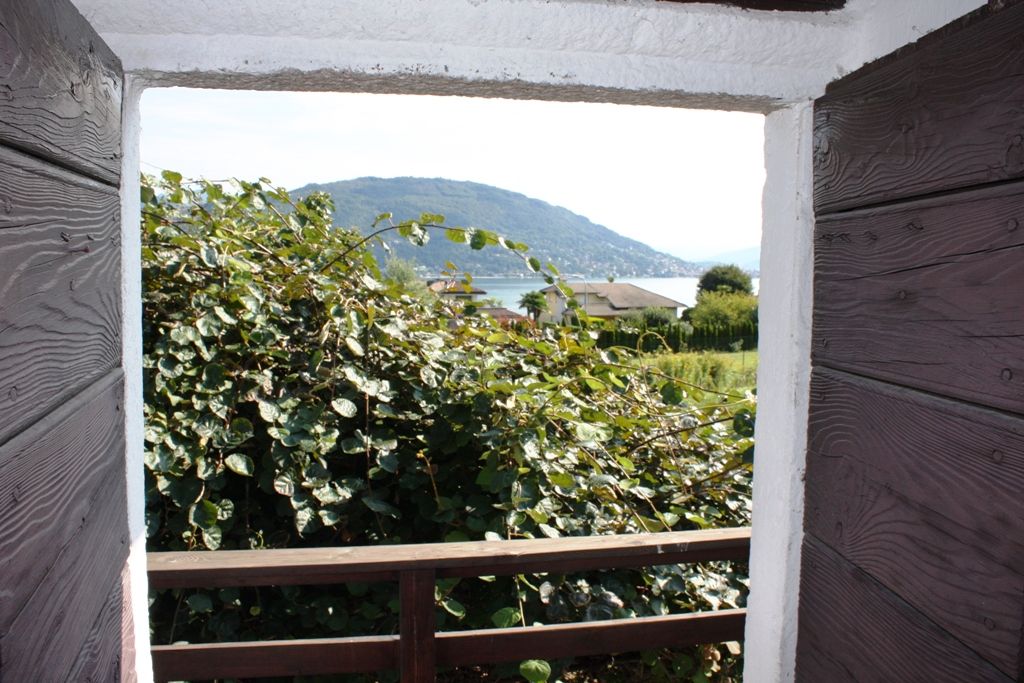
(913, 560)
(63, 514)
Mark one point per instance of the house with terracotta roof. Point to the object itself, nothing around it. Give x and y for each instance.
(503, 316)
(607, 300)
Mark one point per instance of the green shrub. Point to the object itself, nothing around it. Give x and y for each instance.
(724, 309)
(296, 397)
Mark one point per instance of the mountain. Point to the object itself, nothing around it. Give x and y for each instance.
(573, 243)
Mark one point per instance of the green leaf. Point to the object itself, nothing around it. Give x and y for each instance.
(241, 430)
(478, 241)
(562, 479)
(209, 256)
(381, 507)
(203, 514)
(213, 536)
(200, 602)
(672, 393)
(354, 346)
(240, 464)
(213, 376)
(457, 236)
(505, 617)
(344, 407)
(535, 670)
(284, 484)
(743, 423)
(269, 411)
(454, 607)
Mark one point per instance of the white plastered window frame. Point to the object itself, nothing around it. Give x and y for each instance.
(618, 53)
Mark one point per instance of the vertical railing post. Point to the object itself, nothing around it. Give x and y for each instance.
(417, 626)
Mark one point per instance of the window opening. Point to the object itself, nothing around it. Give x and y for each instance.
(393, 404)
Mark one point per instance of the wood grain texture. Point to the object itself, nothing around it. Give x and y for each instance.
(943, 115)
(46, 637)
(851, 628)
(417, 623)
(552, 641)
(60, 255)
(311, 657)
(927, 294)
(99, 660)
(55, 479)
(60, 88)
(128, 664)
(298, 566)
(953, 546)
(963, 462)
(457, 648)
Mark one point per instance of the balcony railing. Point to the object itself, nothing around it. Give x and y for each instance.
(417, 650)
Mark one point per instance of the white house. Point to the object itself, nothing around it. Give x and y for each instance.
(607, 300)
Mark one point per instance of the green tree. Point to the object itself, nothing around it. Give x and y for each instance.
(535, 304)
(402, 272)
(729, 278)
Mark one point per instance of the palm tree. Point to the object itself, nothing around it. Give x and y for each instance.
(535, 303)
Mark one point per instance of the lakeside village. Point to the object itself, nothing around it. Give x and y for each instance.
(724, 317)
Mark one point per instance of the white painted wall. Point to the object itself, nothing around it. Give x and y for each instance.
(131, 361)
(639, 52)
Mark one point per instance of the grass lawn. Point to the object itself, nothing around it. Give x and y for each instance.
(713, 370)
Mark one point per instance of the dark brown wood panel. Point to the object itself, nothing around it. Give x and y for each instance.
(944, 115)
(298, 566)
(60, 88)
(46, 637)
(854, 629)
(552, 641)
(99, 660)
(417, 624)
(60, 322)
(927, 294)
(54, 479)
(255, 659)
(964, 462)
(958, 559)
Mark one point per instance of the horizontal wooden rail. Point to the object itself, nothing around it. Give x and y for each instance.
(323, 656)
(417, 651)
(309, 566)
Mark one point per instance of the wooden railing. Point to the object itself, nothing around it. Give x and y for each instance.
(417, 650)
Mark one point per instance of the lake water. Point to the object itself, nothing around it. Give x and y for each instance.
(508, 289)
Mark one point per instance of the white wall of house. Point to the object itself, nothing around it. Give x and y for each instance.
(639, 52)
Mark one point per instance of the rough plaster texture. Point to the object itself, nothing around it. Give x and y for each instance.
(637, 52)
(884, 25)
(783, 377)
(131, 361)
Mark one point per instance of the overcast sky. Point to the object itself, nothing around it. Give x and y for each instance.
(685, 182)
